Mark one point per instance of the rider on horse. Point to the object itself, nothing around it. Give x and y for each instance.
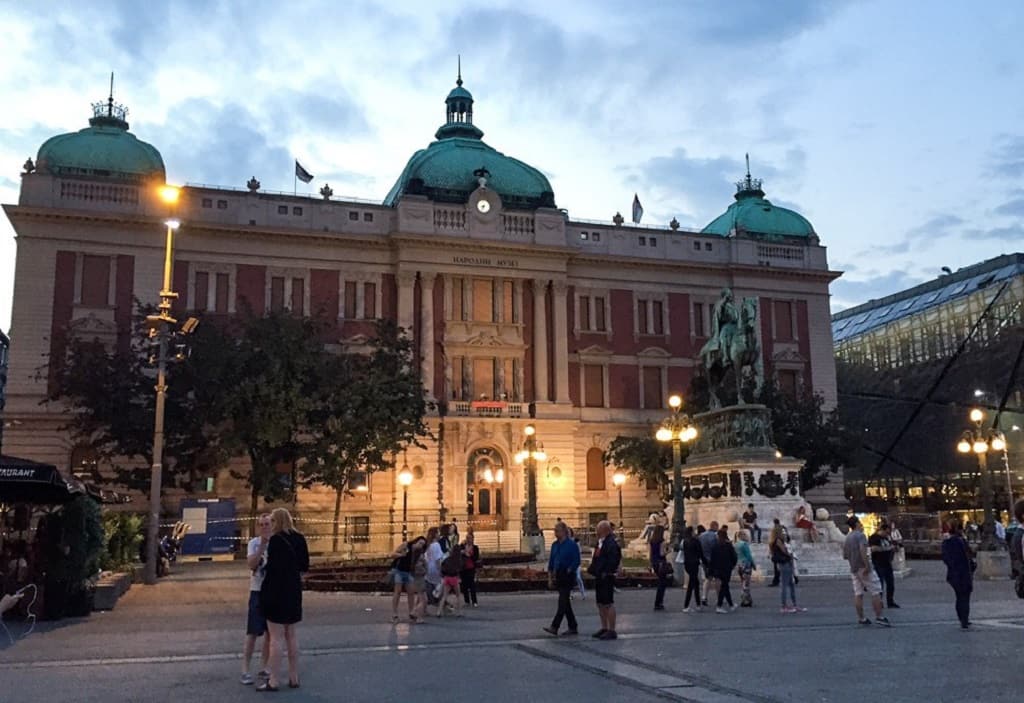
(724, 319)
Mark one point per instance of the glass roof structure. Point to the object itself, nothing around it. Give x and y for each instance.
(863, 318)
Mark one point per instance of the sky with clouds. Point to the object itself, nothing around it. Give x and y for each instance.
(896, 128)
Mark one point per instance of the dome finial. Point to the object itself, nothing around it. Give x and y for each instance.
(749, 186)
(458, 81)
(109, 113)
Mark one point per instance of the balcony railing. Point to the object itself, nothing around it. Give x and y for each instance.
(487, 408)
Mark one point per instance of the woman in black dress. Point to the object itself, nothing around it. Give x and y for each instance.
(281, 595)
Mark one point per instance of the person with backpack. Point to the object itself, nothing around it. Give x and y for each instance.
(451, 568)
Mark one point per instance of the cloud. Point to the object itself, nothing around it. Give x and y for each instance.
(1008, 159)
(847, 292)
(1013, 207)
(937, 227)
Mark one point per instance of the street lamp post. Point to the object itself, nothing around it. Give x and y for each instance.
(676, 428)
(158, 328)
(977, 441)
(618, 480)
(531, 453)
(405, 479)
(496, 477)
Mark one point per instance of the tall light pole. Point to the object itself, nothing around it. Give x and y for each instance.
(529, 457)
(676, 428)
(158, 328)
(496, 477)
(405, 479)
(979, 442)
(618, 480)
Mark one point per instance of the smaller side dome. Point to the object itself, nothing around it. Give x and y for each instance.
(104, 149)
(753, 215)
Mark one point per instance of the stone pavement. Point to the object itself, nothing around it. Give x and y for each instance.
(181, 641)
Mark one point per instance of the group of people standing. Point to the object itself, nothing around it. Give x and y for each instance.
(434, 570)
(563, 572)
(709, 559)
(277, 558)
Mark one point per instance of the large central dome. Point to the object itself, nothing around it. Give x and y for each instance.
(444, 171)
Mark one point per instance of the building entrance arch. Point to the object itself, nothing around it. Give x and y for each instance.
(486, 481)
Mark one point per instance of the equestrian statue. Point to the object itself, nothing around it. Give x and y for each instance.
(733, 344)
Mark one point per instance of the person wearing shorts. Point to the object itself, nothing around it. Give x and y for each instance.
(604, 567)
(401, 577)
(256, 624)
(864, 578)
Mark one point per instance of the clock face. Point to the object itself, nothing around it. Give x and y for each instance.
(483, 206)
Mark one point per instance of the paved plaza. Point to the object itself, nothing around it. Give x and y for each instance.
(180, 641)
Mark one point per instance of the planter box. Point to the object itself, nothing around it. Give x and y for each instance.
(109, 589)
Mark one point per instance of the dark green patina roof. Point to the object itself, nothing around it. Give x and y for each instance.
(446, 170)
(105, 148)
(754, 215)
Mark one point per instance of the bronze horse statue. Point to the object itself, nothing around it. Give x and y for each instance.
(735, 347)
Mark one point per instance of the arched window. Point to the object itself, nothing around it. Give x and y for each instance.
(595, 470)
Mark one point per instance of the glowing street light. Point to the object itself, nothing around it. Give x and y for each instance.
(978, 441)
(531, 453)
(676, 428)
(618, 480)
(498, 477)
(405, 480)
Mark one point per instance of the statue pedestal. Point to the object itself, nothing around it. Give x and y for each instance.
(734, 464)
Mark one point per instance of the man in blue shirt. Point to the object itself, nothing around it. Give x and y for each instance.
(562, 566)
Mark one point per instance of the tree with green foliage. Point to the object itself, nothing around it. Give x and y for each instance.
(643, 457)
(371, 406)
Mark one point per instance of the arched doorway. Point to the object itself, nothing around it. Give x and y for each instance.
(486, 478)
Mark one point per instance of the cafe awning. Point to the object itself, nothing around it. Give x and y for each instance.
(25, 481)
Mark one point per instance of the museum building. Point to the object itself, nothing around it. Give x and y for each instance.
(519, 312)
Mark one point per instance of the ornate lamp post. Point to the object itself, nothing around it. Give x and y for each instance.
(531, 453)
(618, 480)
(158, 328)
(405, 480)
(676, 428)
(497, 477)
(979, 441)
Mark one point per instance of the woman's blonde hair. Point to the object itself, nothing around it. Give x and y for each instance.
(281, 520)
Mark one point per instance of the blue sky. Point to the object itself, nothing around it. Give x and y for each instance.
(895, 127)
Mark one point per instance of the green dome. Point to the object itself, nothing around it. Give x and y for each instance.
(105, 148)
(754, 215)
(449, 168)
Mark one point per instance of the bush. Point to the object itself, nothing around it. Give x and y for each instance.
(123, 534)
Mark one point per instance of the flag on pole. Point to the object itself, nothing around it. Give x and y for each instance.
(638, 209)
(301, 173)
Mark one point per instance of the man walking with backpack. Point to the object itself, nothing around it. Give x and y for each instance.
(604, 567)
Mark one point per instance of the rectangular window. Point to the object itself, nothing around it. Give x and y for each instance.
(370, 301)
(788, 382)
(222, 204)
(350, 300)
(584, 236)
(367, 217)
(653, 241)
(357, 481)
(595, 236)
(585, 312)
(507, 302)
(208, 202)
(593, 385)
(483, 300)
(707, 246)
(698, 320)
(353, 216)
(221, 301)
(783, 320)
(652, 387)
(509, 381)
(95, 280)
(282, 209)
(276, 294)
(641, 316)
(202, 290)
(599, 323)
(483, 379)
(457, 393)
(361, 528)
(298, 296)
(643, 241)
(658, 315)
(297, 211)
(696, 246)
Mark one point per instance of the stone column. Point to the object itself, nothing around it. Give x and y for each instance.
(406, 281)
(427, 331)
(560, 333)
(540, 341)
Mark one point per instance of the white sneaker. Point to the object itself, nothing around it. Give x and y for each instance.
(732, 608)
(687, 609)
(721, 611)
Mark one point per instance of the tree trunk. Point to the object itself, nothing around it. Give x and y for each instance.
(254, 500)
(337, 516)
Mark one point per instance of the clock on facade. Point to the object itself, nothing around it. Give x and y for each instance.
(483, 206)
